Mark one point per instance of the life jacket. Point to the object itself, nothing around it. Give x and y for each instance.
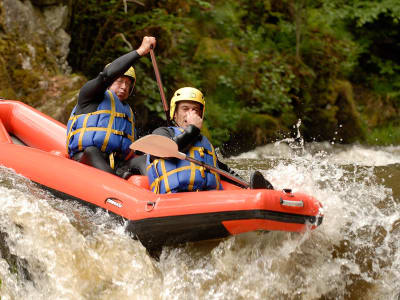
(111, 128)
(176, 175)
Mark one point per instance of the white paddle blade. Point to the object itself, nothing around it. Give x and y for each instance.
(157, 145)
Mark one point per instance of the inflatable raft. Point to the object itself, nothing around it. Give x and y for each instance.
(33, 144)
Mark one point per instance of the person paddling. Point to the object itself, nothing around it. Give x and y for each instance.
(102, 125)
(174, 175)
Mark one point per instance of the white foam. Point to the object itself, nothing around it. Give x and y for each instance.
(340, 154)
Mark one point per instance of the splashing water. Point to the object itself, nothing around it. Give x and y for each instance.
(62, 250)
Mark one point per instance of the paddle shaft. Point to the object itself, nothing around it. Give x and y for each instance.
(162, 146)
(160, 87)
(217, 170)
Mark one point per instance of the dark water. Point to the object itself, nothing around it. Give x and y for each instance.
(55, 249)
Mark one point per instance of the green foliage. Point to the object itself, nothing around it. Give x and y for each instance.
(221, 120)
(387, 135)
(375, 28)
(363, 11)
(278, 58)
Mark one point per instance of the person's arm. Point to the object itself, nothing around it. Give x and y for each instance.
(184, 140)
(91, 94)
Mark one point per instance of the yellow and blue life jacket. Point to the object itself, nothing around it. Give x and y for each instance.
(175, 175)
(111, 128)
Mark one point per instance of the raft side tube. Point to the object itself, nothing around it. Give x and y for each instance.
(4, 136)
(32, 127)
(189, 203)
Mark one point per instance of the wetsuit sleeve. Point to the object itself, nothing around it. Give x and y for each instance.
(184, 140)
(164, 131)
(91, 94)
(187, 138)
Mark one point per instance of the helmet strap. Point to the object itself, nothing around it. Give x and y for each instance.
(133, 86)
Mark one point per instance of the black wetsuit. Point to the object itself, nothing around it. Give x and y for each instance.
(185, 140)
(90, 96)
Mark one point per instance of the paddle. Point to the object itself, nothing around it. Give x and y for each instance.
(160, 87)
(162, 146)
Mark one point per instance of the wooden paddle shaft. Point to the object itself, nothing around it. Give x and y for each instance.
(160, 87)
(217, 170)
(162, 146)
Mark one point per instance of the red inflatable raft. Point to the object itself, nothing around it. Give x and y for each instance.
(156, 220)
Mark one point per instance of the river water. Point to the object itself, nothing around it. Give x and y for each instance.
(58, 249)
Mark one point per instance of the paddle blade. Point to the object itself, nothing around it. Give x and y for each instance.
(157, 145)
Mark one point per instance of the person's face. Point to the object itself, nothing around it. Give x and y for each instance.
(121, 87)
(182, 110)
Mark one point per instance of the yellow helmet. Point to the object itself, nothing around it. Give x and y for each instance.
(187, 94)
(131, 74)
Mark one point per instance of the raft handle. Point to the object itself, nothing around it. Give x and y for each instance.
(114, 201)
(149, 206)
(292, 203)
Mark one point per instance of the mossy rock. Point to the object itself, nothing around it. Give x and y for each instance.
(23, 69)
(26, 82)
(351, 129)
(1, 17)
(334, 115)
(324, 123)
(48, 2)
(288, 118)
(7, 93)
(61, 96)
(253, 130)
(29, 74)
(377, 109)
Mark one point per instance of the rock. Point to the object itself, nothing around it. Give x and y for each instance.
(42, 27)
(255, 130)
(378, 108)
(60, 96)
(47, 2)
(33, 56)
(350, 128)
(334, 115)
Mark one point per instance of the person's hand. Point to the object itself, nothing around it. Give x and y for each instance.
(192, 118)
(146, 44)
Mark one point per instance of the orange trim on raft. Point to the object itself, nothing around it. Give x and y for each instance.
(44, 160)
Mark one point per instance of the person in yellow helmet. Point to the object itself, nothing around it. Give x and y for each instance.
(102, 125)
(187, 111)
